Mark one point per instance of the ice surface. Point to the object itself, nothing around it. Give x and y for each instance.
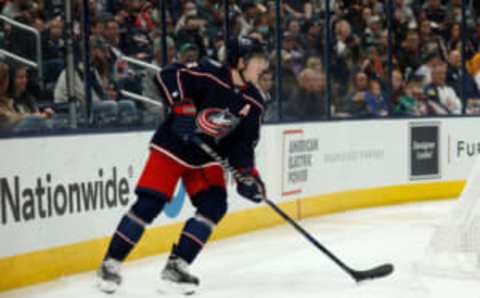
(280, 263)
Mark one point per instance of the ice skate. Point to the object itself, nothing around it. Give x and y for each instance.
(108, 276)
(177, 279)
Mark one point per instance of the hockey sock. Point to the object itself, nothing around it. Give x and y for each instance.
(132, 226)
(195, 234)
(128, 232)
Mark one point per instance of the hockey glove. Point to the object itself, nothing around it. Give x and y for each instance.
(183, 124)
(251, 187)
(184, 127)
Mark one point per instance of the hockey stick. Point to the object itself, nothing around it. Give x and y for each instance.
(357, 275)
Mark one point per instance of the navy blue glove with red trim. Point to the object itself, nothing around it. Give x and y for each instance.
(250, 186)
(183, 123)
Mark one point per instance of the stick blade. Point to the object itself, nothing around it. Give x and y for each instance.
(377, 272)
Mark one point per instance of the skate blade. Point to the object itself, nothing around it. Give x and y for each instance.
(170, 287)
(106, 286)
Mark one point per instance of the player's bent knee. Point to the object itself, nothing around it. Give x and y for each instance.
(148, 206)
(212, 203)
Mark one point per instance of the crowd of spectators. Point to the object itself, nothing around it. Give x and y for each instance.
(426, 50)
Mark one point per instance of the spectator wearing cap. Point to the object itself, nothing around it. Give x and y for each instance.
(439, 92)
(187, 53)
(190, 33)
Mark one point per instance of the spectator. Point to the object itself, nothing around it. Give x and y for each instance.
(157, 51)
(314, 63)
(24, 101)
(409, 54)
(430, 39)
(403, 14)
(415, 103)
(454, 77)
(11, 119)
(190, 33)
(347, 50)
(373, 33)
(294, 52)
(298, 9)
(111, 33)
(135, 40)
(188, 53)
(439, 92)
(308, 101)
(265, 84)
(375, 100)
(8, 116)
(53, 44)
(398, 85)
(53, 51)
(16, 8)
(312, 39)
(53, 9)
(354, 104)
(425, 71)
(435, 11)
(100, 75)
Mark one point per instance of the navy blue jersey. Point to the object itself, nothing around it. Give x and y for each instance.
(208, 84)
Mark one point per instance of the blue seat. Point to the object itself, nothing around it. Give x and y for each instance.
(105, 113)
(127, 113)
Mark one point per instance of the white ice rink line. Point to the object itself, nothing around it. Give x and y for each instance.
(279, 262)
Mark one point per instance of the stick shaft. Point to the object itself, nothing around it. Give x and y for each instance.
(207, 149)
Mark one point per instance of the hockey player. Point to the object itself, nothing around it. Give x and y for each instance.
(220, 104)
